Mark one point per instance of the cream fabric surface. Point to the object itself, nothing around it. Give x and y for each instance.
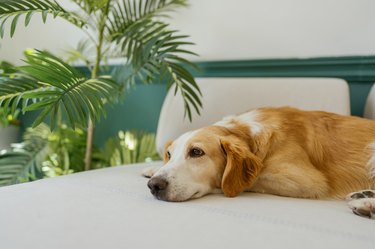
(370, 104)
(112, 208)
(228, 96)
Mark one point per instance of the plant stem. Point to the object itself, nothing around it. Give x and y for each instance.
(94, 74)
(89, 144)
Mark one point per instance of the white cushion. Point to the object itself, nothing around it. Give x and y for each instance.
(228, 96)
(112, 208)
(370, 104)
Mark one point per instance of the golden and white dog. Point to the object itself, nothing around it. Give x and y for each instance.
(280, 151)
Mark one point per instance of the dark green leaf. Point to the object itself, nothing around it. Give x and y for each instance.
(13, 25)
(48, 84)
(28, 18)
(13, 9)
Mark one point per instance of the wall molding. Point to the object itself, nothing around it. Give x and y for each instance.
(353, 68)
(358, 71)
(141, 107)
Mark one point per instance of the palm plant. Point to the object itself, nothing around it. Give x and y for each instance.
(134, 29)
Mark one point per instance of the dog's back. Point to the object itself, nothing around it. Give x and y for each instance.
(341, 149)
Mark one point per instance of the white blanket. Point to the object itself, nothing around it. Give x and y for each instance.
(113, 208)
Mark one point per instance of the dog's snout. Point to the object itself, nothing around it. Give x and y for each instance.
(157, 185)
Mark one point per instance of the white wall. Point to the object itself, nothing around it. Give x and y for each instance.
(242, 29)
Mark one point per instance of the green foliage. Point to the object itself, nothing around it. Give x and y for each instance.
(152, 49)
(83, 53)
(133, 29)
(6, 68)
(45, 153)
(22, 163)
(90, 6)
(66, 150)
(126, 13)
(50, 85)
(7, 118)
(14, 9)
(129, 147)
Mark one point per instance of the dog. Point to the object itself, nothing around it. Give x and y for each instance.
(281, 151)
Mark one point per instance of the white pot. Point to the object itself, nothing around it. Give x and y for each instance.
(8, 135)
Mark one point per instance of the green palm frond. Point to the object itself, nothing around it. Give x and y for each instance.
(156, 51)
(152, 49)
(51, 86)
(11, 89)
(90, 6)
(125, 13)
(23, 162)
(82, 53)
(6, 68)
(14, 9)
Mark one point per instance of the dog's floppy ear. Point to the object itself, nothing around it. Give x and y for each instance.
(242, 166)
(166, 146)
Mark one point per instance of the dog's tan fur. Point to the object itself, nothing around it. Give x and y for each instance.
(281, 151)
(308, 154)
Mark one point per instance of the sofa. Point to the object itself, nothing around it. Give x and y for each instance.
(113, 208)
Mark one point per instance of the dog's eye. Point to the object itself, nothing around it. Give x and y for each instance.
(196, 152)
(168, 155)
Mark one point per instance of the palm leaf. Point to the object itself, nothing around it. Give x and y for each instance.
(125, 13)
(90, 6)
(12, 10)
(151, 49)
(23, 162)
(49, 85)
(16, 167)
(82, 53)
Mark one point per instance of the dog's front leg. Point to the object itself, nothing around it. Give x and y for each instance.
(150, 171)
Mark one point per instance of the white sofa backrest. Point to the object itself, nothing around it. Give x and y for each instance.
(227, 96)
(370, 104)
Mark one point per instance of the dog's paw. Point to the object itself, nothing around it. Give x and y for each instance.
(150, 171)
(362, 203)
(368, 193)
(364, 207)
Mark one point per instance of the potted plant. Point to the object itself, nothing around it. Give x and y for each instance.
(132, 29)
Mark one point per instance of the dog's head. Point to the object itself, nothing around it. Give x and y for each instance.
(208, 160)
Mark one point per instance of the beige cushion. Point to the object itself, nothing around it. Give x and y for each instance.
(227, 96)
(112, 208)
(370, 104)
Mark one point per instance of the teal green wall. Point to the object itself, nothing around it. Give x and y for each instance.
(141, 106)
(139, 110)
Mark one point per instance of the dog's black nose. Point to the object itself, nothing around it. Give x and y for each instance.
(157, 185)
